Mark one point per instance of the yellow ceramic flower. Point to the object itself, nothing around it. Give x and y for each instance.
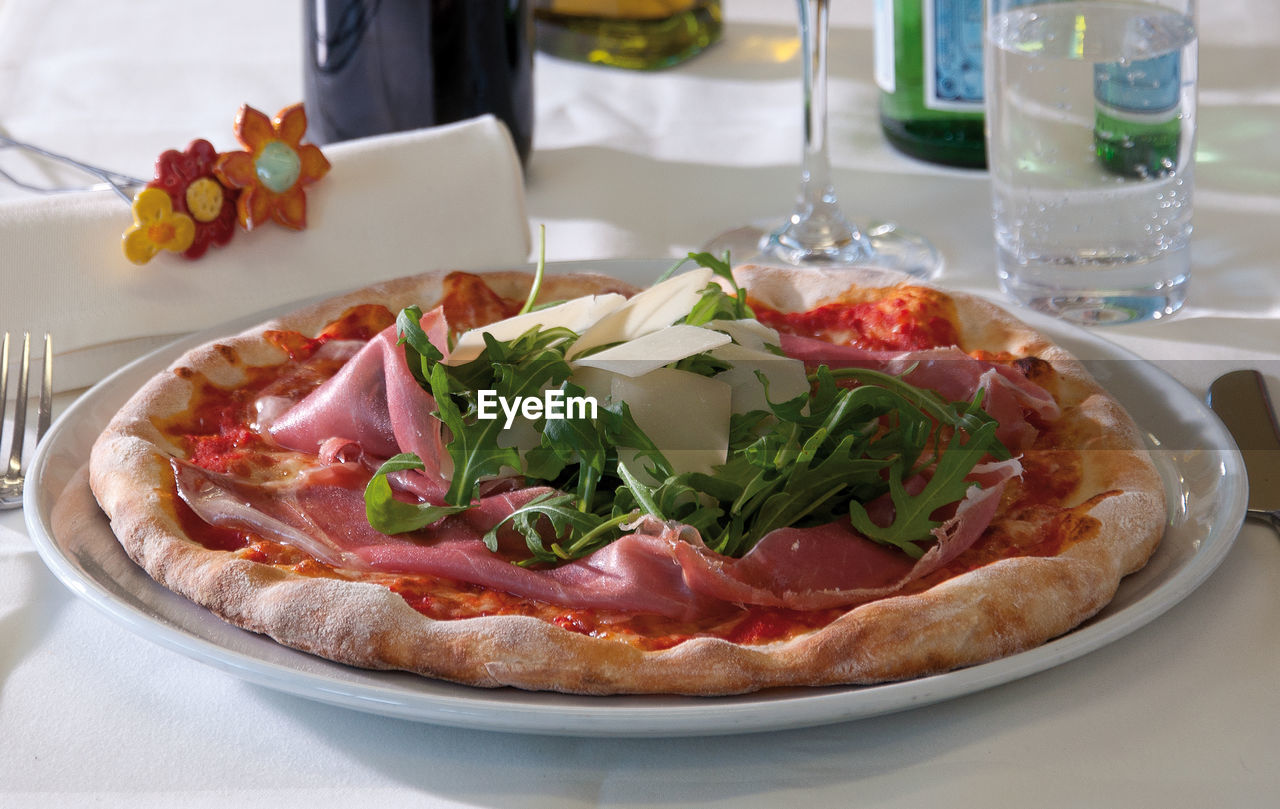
(156, 227)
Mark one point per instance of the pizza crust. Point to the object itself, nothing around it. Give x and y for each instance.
(994, 611)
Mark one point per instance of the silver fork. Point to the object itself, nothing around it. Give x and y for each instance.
(11, 482)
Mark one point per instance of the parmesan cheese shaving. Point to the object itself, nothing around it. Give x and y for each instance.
(787, 378)
(691, 428)
(654, 308)
(578, 314)
(652, 351)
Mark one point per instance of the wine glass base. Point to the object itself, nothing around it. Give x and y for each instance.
(882, 246)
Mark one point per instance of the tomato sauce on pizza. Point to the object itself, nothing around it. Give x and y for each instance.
(910, 318)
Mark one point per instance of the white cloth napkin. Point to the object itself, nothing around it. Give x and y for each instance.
(446, 197)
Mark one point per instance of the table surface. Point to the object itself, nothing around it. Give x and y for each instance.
(1185, 712)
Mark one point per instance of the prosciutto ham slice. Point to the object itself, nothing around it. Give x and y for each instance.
(373, 402)
(323, 514)
(660, 568)
(374, 408)
(1009, 396)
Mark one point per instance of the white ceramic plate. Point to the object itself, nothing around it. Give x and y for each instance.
(1203, 475)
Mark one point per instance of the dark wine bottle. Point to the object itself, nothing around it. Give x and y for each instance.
(928, 64)
(376, 66)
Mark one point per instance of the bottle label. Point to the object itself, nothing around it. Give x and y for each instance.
(1141, 86)
(883, 46)
(953, 55)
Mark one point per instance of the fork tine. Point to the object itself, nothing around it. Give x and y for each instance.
(20, 409)
(45, 413)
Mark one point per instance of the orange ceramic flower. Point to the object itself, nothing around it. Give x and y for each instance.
(274, 170)
(156, 227)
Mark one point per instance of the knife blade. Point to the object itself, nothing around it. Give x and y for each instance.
(1240, 399)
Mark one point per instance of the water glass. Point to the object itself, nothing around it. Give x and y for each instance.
(1091, 123)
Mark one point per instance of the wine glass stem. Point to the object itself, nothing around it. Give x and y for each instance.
(813, 33)
(817, 220)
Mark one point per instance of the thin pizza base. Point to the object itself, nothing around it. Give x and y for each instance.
(994, 611)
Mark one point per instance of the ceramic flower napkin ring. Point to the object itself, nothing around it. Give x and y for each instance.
(199, 196)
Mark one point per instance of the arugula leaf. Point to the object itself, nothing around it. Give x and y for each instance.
(538, 272)
(621, 431)
(391, 516)
(567, 441)
(702, 364)
(911, 522)
(419, 352)
(814, 485)
(715, 303)
(967, 416)
(592, 530)
(523, 367)
(642, 493)
(475, 452)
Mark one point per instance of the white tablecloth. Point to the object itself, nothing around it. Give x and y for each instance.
(1185, 712)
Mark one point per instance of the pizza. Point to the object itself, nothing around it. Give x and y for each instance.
(729, 481)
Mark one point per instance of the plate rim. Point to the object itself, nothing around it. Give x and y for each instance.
(629, 716)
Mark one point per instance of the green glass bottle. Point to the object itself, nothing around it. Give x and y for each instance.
(634, 34)
(928, 60)
(1138, 123)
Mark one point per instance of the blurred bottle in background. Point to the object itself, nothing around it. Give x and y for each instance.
(928, 65)
(375, 66)
(1137, 128)
(635, 34)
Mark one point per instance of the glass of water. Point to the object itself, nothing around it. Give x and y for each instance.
(1091, 122)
